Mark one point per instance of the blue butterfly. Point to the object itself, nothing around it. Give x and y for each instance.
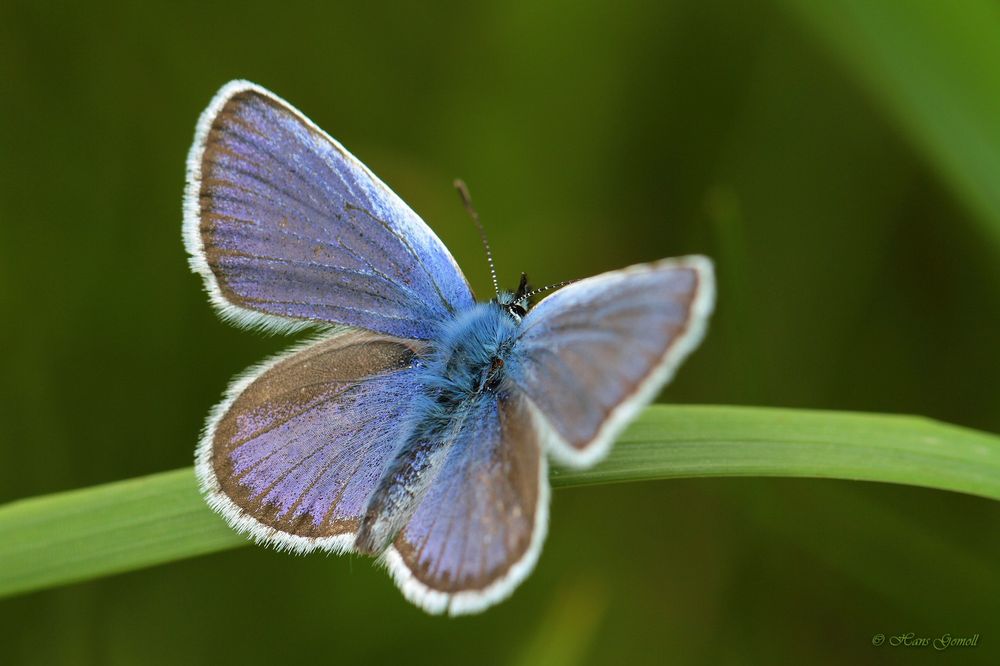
(415, 427)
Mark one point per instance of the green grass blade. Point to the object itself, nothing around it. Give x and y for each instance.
(693, 441)
(92, 532)
(933, 66)
(84, 534)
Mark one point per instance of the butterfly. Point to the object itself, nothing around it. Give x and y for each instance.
(417, 424)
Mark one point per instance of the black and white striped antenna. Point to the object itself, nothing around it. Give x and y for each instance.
(463, 192)
(542, 290)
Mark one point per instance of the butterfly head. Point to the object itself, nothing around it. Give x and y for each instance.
(517, 303)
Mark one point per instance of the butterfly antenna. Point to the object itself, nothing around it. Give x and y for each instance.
(542, 290)
(463, 192)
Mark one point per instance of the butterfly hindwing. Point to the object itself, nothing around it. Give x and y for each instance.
(593, 353)
(287, 228)
(293, 452)
(478, 530)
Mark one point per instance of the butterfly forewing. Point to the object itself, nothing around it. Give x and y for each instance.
(287, 227)
(593, 353)
(293, 453)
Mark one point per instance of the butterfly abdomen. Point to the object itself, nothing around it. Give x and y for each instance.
(465, 368)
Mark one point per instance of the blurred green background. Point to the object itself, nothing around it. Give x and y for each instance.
(840, 161)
